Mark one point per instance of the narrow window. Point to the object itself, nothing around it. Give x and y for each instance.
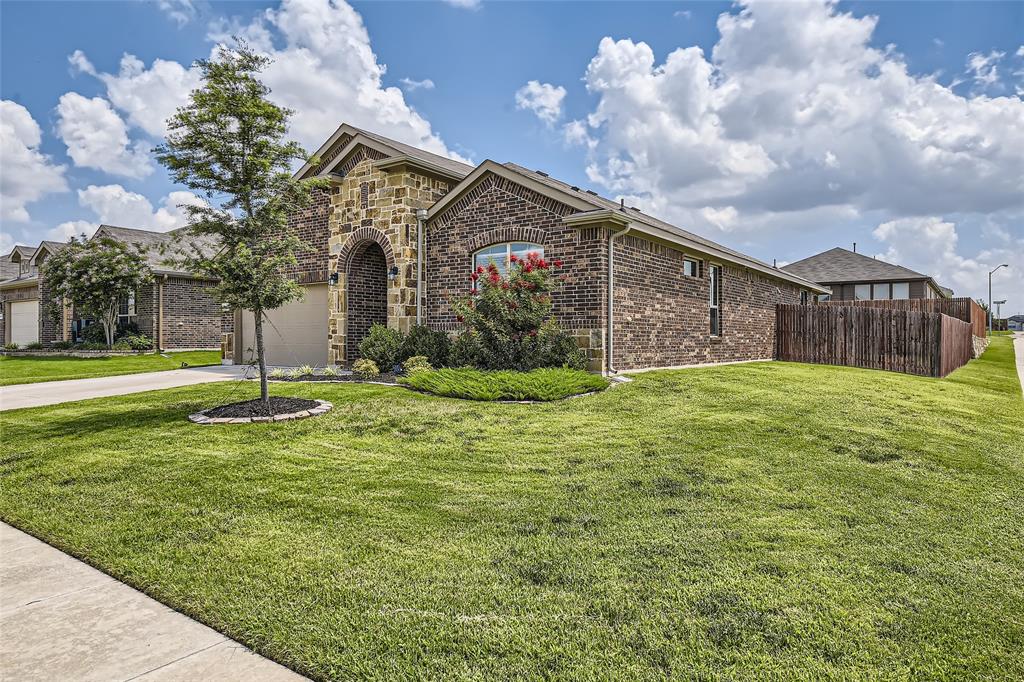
(715, 298)
(691, 268)
(901, 290)
(824, 297)
(126, 310)
(803, 297)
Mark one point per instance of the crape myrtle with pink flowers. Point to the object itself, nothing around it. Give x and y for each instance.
(507, 318)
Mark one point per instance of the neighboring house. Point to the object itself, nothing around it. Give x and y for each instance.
(399, 231)
(176, 310)
(853, 276)
(19, 297)
(1015, 323)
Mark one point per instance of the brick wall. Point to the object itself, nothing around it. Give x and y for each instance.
(312, 226)
(367, 295)
(192, 318)
(662, 316)
(52, 316)
(497, 211)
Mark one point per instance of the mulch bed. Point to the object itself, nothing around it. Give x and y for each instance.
(255, 408)
(387, 378)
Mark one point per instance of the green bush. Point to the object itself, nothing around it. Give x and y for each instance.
(62, 345)
(474, 384)
(94, 334)
(303, 371)
(135, 342)
(91, 345)
(330, 371)
(277, 373)
(465, 351)
(364, 368)
(382, 345)
(422, 340)
(121, 345)
(511, 318)
(417, 363)
(33, 345)
(11, 346)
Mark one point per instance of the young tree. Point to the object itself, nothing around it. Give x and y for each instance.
(228, 143)
(94, 276)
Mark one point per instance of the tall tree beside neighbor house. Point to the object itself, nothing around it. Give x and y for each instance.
(228, 143)
(94, 276)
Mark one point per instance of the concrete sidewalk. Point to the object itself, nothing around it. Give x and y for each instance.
(1018, 347)
(63, 620)
(54, 392)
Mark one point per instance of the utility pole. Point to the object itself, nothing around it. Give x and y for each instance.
(1004, 265)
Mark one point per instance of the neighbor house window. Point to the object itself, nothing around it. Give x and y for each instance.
(715, 298)
(803, 297)
(901, 290)
(881, 292)
(824, 297)
(500, 254)
(862, 292)
(691, 268)
(126, 310)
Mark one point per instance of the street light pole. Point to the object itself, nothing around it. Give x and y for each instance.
(1004, 265)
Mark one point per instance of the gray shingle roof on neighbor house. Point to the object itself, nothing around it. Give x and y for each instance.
(840, 265)
(159, 247)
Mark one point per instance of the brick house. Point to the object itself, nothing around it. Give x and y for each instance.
(852, 276)
(399, 231)
(176, 310)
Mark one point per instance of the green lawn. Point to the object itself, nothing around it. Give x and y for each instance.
(27, 370)
(769, 520)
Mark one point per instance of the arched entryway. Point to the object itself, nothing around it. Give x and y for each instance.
(366, 294)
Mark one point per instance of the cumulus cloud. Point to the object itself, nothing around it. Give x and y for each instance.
(26, 174)
(114, 205)
(411, 85)
(930, 245)
(984, 68)
(72, 228)
(147, 96)
(543, 99)
(180, 12)
(96, 137)
(795, 111)
(464, 4)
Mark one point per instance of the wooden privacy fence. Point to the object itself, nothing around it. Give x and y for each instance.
(910, 341)
(966, 309)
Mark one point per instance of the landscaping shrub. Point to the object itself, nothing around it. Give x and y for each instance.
(121, 345)
(330, 371)
(94, 334)
(421, 340)
(33, 345)
(303, 371)
(364, 368)
(382, 345)
(465, 350)
(11, 346)
(136, 342)
(62, 345)
(474, 384)
(511, 317)
(417, 363)
(278, 373)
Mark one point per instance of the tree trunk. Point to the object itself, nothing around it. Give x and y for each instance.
(110, 325)
(261, 359)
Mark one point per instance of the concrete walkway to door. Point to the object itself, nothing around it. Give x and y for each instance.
(64, 620)
(54, 392)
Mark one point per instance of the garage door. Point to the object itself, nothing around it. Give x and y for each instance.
(294, 334)
(24, 322)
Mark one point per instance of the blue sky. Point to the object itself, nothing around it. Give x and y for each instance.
(760, 191)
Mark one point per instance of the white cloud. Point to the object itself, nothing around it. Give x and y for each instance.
(576, 133)
(984, 68)
(543, 99)
(684, 13)
(179, 11)
(114, 205)
(411, 85)
(931, 245)
(26, 174)
(794, 112)
(71, 228)
(722, 218)
(147, 96)
(96, 137)
(464, 4)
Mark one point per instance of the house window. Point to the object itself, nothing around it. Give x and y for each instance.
(862, 292)
(901, 290)
(824, 297)
(881, 292)
(691, 268)
(715, 298)
(499, 254)
(803, 297)
(126, 310)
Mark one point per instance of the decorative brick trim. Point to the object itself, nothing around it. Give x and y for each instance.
(359, 237)
(358, 156)
(490, 181)
(332, 153)
(511, 233)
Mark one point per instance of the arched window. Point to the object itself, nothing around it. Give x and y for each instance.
(500, 254)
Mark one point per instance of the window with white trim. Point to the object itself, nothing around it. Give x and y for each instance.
(862, 292)
(126, 310)
(901, 290)
(691, 268)
(500, 254)
(715, 298)
(881, 291)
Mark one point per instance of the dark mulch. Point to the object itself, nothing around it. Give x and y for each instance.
(382, 378)
(255, 408)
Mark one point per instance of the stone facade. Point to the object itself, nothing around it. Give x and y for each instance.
(372, 205)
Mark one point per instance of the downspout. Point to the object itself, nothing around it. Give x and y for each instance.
(611, 295)
(421, 217)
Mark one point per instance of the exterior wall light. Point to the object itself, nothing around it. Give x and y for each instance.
(333, 279)
(393, 273)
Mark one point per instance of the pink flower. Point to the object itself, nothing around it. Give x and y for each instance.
(474, 276)
(558, 263)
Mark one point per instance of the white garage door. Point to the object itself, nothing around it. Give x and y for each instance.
(24, 322)
(294, 334)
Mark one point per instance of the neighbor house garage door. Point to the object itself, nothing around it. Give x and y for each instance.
(24, 322)
(294, 334)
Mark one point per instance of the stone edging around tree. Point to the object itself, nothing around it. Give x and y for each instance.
(201, 418)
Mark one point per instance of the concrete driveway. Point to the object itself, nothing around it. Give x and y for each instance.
(64, 620)
(54, 392)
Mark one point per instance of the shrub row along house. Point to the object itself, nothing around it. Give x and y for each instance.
(400, 230)
(176, 310)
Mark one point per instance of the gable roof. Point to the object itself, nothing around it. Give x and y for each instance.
(21, 251)
(48, 246)
(155, 245)
(840, 265)
(590, 204)
(385, 145)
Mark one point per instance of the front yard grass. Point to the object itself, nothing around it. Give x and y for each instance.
(475, 384)
(31, 370)
(770, 520)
